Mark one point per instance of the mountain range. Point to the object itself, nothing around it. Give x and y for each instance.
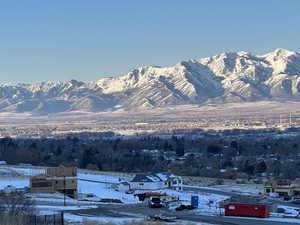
(227, 77)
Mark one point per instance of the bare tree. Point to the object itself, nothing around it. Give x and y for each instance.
(15, 208)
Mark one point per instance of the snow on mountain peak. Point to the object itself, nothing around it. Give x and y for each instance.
(283, 52)
(232, 76)
(226, 77)
(283, 61)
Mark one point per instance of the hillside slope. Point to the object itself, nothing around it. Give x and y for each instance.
(227, 77)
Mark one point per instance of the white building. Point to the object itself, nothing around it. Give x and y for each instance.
(3, 163)
(156, 181)
(123, 187)
(9, 189)
(171, 181)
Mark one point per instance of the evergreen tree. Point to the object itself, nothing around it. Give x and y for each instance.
(179, 148)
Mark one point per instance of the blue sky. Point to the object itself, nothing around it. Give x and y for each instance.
(87, 40)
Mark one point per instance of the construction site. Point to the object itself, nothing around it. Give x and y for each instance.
(92, 195)
(283, 188)
(57, 179)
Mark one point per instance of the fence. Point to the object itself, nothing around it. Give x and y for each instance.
(55, 219)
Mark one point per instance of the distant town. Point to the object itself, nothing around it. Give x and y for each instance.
(209, 118)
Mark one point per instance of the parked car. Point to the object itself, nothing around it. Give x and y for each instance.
(155, 202)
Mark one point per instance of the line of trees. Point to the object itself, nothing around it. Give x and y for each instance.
(213, 156)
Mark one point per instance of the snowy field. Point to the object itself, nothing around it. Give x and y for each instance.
(100, 186)
(88, 183)
(244, 189)
(104, 191)
(80, 218)
(19, 171)
(28, 171)
(104, 178)
(18, 182)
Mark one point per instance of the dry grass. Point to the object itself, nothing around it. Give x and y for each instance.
(12, 220)
(90, 222)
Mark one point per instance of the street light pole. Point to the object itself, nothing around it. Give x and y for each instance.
(64, 190)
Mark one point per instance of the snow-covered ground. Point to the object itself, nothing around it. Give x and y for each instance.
(248, 189)
(18, 182)
(6, 170)
(28, 171)
(100, 186)
(104, 191)
(88, 183)
(80, 218)
(209, 202)
(244, 189)
(104, 178)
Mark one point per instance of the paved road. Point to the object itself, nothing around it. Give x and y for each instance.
(234, 194)
(142, 211)
(231, 221)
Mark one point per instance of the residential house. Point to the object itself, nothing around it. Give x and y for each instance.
(155, 181)
(122, 186)
(3, 163)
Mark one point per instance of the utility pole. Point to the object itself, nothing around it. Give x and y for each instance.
(290, 119)
(280, 121)
(64, 190)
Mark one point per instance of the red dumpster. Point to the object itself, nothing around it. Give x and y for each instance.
(247, 210)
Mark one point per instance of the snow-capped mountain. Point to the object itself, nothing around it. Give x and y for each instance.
(53, 97)
(227, 77)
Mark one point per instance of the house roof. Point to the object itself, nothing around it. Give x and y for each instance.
(145, 178)
(125, 183)
(153, 177)
(166, 176)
